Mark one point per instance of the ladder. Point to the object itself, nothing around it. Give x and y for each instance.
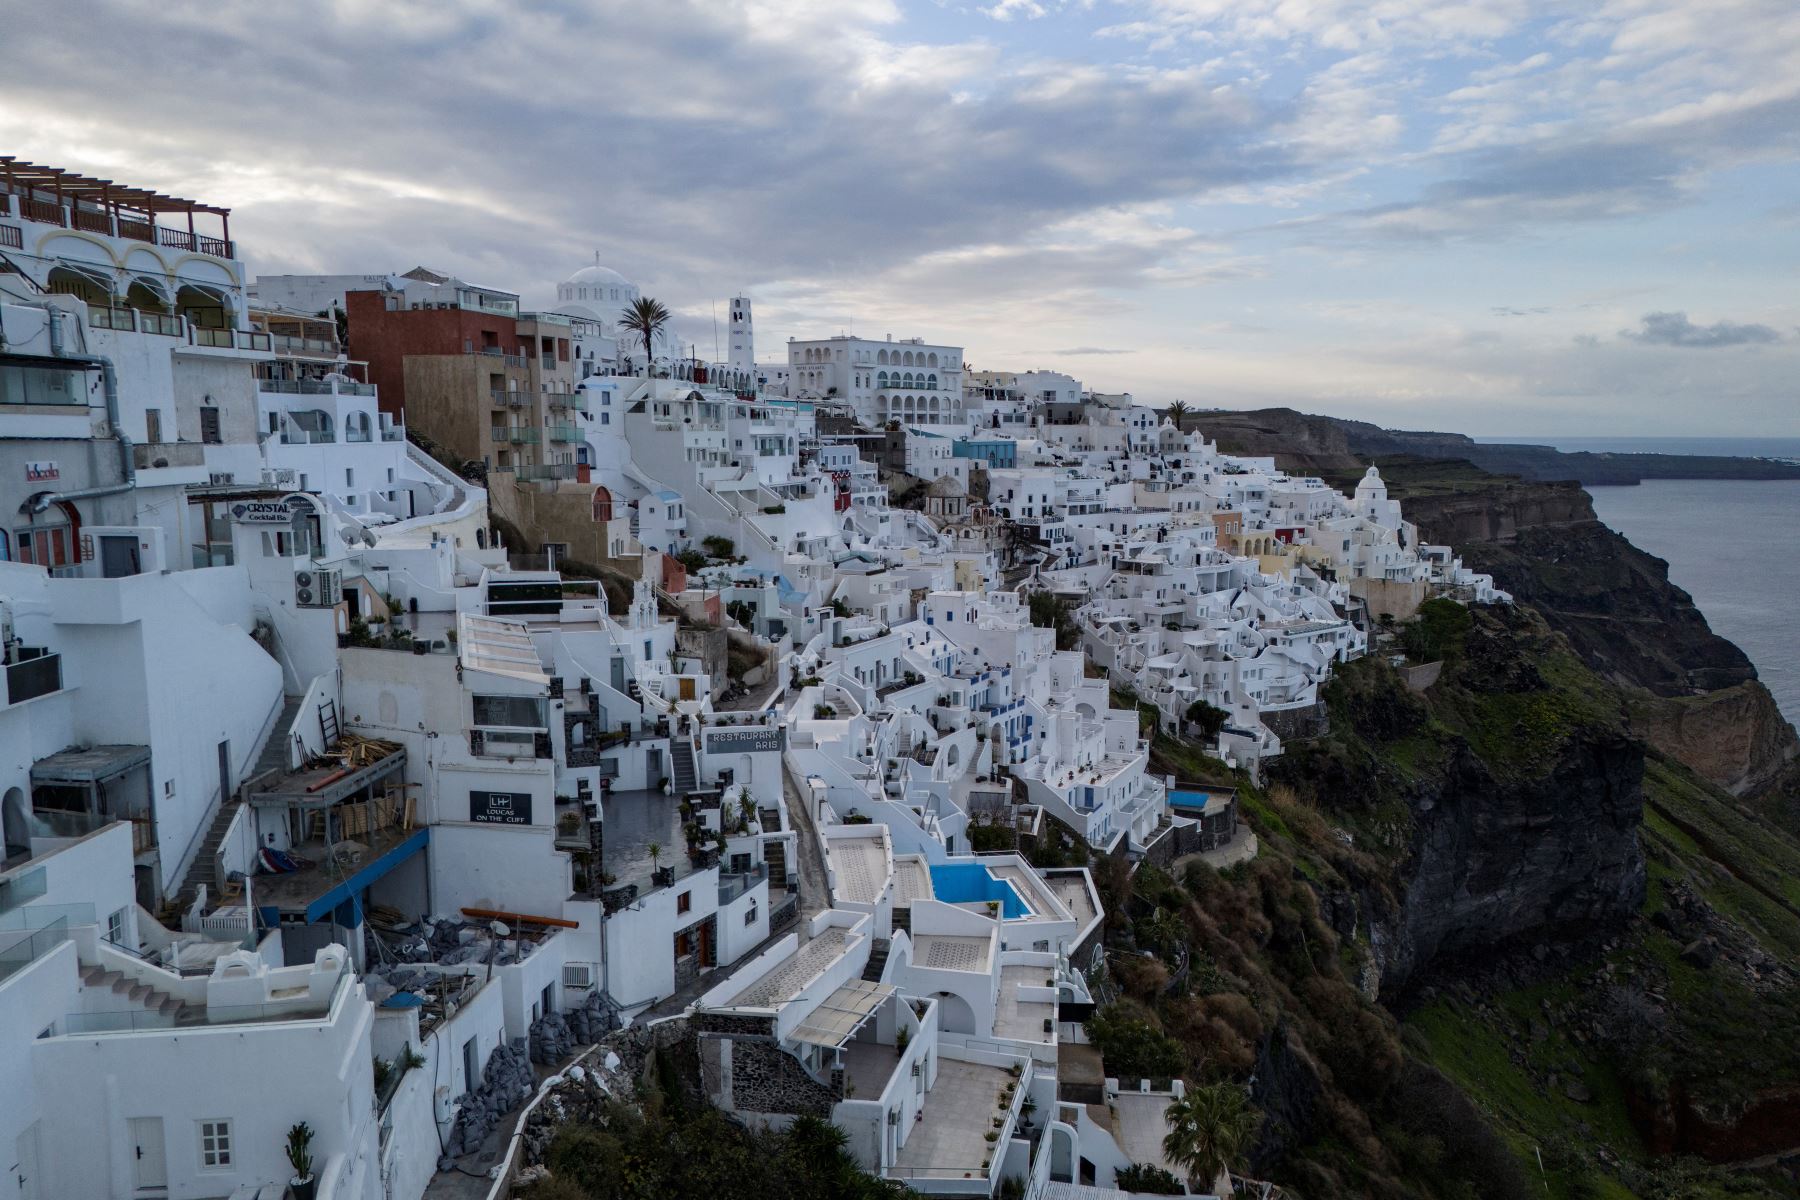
(328, 722)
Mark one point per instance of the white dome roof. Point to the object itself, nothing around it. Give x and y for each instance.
(599, 274)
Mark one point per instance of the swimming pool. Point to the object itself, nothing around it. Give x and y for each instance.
(970, 883)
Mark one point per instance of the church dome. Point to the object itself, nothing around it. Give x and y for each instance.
(946, 486)
(599, 274)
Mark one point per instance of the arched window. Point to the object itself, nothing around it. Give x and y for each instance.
(881, 357)
(931, 361)
(881, 379)
(931, 382)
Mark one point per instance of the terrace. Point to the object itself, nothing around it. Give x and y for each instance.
(631, 822)
(53, 196)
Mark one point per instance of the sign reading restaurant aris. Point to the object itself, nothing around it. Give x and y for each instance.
(746, 741)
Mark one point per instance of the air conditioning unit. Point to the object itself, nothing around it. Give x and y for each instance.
(281, 477)
(221, 478)
(578, 975)
(318, 588)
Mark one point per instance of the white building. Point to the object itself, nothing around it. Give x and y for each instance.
(908, 381)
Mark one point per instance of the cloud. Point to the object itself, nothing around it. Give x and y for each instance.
(1674, 329)
(1518, 312)
(1085, 350)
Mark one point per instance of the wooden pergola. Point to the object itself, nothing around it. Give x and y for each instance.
(59, 197)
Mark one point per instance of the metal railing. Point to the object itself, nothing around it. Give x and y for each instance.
(38, 675)
(564, 433)
(518, 435)
(12, 237)
(541, 472)
(159, 323)
(735, 885)
(18, 951)
(102, 317)
(576, 401)
(510, 399)
(316, 387)
(132, 1019)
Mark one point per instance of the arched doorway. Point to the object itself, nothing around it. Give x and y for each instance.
(955, 1015)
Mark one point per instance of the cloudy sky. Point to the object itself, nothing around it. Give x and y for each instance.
(1495, 216)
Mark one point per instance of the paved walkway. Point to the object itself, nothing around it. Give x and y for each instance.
(815, 893)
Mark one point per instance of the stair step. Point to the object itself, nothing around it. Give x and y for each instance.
(137, 992)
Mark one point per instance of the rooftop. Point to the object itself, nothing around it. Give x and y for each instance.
(783, 983)
(499, 647)
(860, 865)
(950, 952)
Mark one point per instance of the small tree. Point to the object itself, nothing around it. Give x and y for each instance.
(1208, 1130)
(1209, 719)
(1176, 411)
(655, 849)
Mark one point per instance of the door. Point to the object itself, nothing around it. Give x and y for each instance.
(25, 1170)
(224, 772)
(119, 556)
(152, 1168)
(618, 674)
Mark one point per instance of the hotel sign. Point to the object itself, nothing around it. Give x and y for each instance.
(500, 808)
(42, 472)
(746, 741)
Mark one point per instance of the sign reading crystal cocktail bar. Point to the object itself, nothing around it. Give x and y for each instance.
(263, 512)
(500, 808)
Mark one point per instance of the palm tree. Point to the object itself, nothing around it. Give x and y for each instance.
(646, 318)
(1175, 412)
(655, 849)
(1208, 1129)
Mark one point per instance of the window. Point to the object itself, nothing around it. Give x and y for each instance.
(215, 1145)
(519, 712)
(349, 477)
(209, 425)
(750, 914)
(115, 927)
(684, 903)
(153, 425)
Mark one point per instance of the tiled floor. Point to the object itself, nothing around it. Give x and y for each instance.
(860, 868)
(911, 880)
(949, 953)
(868, 1066)
(959, 1111)
(779, 985)
(1072, 891)
(1139, 1121)
(1022, 1020)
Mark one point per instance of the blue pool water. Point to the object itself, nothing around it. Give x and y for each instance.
(970, 883)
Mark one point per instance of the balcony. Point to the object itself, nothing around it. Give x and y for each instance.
(576, 401)
(503, 398)
(11, 237)
(565, 433)
(517, 435)
(546, 472)
(72, 215)
(509, 743)
(228, 339)
(547, 360)
(285, 344)
(316, 387)
(149, 456)
(510, 360)
(37, 673)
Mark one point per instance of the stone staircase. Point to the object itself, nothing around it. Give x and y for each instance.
(120, 984)
(878, 956)
(681, 756)
(775, 858)
(274, 758)
(903, 918)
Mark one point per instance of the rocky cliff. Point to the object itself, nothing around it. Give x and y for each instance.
(1542, 542)
(1325, 436)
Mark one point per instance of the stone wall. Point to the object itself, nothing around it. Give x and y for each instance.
(753, 1074)
(1297, 724)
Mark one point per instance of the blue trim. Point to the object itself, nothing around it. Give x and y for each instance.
(345, 893)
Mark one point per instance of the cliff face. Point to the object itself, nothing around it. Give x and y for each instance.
(1505, 802)
(1329, 437)
(1494, 861)
(1542, 542)
(1615, 604)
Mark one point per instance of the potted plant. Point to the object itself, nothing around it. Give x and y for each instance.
(901, 1039)
(299, 1156)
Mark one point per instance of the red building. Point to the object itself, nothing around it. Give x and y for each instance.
(384, 332)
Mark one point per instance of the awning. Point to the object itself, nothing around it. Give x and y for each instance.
(99, 276)
(157, 285)
(842, 1013)
(217, 291)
